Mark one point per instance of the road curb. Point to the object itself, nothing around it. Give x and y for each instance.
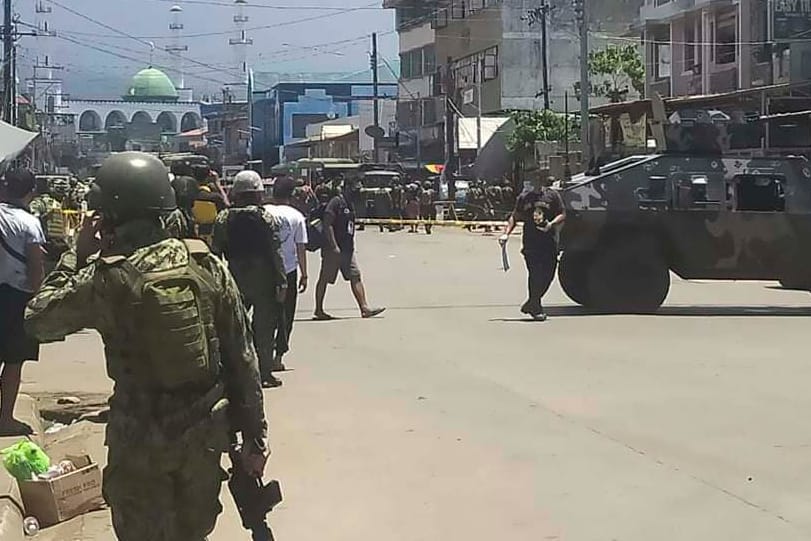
(11, 503)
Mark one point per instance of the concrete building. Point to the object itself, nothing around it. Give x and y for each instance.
(709, 46)
(421, 104)
(492, 49)
(281, 114)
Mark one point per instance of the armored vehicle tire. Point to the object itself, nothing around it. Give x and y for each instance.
(573, 274)
(629, 276)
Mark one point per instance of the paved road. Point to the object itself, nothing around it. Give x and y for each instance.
(453, 418)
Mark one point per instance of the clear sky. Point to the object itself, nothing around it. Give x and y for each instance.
(301, 37)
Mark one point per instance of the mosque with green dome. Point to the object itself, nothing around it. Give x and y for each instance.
(149, 115)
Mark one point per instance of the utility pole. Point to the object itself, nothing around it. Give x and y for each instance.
(8, 75)
(375, 91)
(450, 131)
(418, 135)
(581, 8)
(480, 79)
(540, 15)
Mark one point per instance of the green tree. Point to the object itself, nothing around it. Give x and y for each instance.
(615, 71)
(538, 126)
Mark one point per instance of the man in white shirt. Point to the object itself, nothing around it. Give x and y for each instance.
(21, 274)
(293, 235)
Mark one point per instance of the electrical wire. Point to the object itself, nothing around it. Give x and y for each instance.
(135, 38)
(272, 6)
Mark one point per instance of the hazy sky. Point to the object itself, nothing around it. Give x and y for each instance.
(286, 47)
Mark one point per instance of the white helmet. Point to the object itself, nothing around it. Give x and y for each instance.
(247, 181)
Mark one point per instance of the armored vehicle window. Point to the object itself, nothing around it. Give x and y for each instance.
(697, 191)
(761, 193)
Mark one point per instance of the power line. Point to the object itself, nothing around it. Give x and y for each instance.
(292, 22)
(274, 6)
(135, 38)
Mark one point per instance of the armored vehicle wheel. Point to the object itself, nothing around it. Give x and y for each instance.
(573, 274)
(629, 276)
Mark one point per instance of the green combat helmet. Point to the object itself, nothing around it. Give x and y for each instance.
(132, 185)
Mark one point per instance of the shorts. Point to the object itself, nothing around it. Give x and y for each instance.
(345, 262)
(15, 346)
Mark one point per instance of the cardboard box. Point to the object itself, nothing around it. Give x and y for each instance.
(55, 500)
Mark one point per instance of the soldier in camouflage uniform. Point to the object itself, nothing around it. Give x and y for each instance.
(179, 354)
(248, 236)
(47, 206)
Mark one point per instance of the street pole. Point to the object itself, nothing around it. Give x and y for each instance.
(450, 131)
(8, 76)
(584, 81)
(480, 80)
(418, 134)
(544, 54)
(375, 91)
(567, 169)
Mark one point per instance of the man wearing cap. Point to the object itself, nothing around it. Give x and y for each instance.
(247, 235)
(339, 255)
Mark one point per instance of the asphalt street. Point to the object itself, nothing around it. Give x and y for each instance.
(453, 417)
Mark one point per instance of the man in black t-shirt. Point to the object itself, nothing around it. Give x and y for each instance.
(338, 254)
(540, 209)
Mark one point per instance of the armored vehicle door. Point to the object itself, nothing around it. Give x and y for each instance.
(730, 223)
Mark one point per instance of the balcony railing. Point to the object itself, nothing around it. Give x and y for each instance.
(724, 81)
(661, 87)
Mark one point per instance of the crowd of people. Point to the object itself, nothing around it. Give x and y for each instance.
(194, 292)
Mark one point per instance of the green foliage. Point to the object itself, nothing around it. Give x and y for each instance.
(615, 71)
(536, 126)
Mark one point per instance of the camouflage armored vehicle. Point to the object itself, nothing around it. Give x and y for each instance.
(699, 216)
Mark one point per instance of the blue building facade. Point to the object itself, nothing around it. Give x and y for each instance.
(281, 115)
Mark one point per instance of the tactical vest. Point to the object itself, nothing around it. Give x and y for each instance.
(250, 236)
(166, 320)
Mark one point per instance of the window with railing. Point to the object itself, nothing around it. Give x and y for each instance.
(458, 9)
(418, 62)
(413, 15)
(724, 37)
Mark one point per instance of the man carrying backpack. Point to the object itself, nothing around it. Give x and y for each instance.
(248, 236)
(178, 346)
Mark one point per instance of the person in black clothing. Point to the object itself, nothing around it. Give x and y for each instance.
(541, 210)
(338, 254)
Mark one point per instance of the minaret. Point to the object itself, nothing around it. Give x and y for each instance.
(177, 49)
(240, 43)
(43, 85)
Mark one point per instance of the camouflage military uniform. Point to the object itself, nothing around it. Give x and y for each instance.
(49, 211)
(179, 225)
(163, 477)
(258, 276)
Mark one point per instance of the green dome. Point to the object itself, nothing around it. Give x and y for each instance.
(151, 84)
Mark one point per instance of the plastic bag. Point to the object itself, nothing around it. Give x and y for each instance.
(25, 460)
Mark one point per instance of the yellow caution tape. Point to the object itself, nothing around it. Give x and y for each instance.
(439, 223)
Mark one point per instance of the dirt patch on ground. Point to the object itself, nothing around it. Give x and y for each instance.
(91, 407)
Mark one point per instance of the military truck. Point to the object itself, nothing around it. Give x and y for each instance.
(374, 196)
(700, 216)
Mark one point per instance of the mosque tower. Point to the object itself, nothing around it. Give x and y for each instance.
(44, 85)
(240, 44)
(176, 50)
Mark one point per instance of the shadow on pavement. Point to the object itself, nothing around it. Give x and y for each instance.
(694, 311)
